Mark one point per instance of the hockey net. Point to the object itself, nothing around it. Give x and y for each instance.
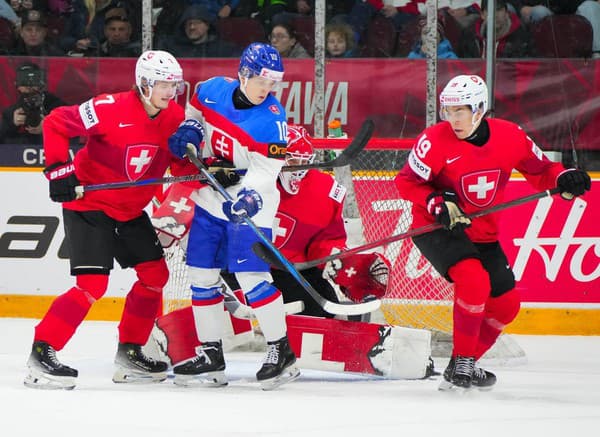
(417, 296)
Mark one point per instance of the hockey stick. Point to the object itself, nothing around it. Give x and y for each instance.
(266, 255)
(81, 189)
(348, 154)
(345, 308)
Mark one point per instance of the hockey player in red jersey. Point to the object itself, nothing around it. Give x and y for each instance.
(460, 166)
(127, 137)
(309, 225)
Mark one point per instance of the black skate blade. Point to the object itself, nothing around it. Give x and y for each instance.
(288, 375)
(43, 381)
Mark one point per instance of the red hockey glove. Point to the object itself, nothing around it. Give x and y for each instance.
(361, 277)
(62, 181)
(573, 182)
(444, 207)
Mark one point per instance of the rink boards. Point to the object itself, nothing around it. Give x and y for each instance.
(554, 247)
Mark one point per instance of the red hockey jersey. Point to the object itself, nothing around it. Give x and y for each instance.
(123, 144)
(441, 161)
(309, 224)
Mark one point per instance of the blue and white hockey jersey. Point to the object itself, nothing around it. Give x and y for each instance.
(254, 139)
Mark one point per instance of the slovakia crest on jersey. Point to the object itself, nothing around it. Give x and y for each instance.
(283, 229)
(222, 145)
(274, 109)
(480, 187)
(138, 160)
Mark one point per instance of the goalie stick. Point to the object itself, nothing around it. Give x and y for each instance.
(265, 254)
(345, 308)
(348, 154)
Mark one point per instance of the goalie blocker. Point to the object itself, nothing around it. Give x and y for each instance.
(322, 344)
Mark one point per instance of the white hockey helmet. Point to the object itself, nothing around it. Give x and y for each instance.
(469, 90)
(157, 65)
(299, 152)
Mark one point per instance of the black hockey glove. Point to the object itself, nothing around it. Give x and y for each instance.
(223, 171)
(62, 181)
(573, 182)
(444, 207)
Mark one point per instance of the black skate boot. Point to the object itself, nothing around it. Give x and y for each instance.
(278, 367)
(458, 374)
(133, 366)
(482, 379)
(46, 372)
(206, 368)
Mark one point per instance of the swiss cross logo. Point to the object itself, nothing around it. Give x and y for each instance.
(138, 160)
(480, 187)
(222, 145)
(283, 228)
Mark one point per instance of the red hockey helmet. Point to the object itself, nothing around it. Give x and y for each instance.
(299, 152)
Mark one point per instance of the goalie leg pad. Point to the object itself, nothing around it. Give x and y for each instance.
(174, 336)
(358, 347)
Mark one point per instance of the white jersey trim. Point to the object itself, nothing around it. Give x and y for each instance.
(88, 114)
(418, 166)
(337, 192)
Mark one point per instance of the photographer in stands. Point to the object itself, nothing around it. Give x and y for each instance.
(22, 122)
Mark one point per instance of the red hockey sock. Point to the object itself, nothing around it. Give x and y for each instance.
(143, 302)
(69, 309)
(499, 312)
(471, 290)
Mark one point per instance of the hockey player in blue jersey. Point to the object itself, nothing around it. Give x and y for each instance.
(242, 123)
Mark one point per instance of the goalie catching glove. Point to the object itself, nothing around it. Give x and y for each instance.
(361, 277)
(62, 181)
(444, 207)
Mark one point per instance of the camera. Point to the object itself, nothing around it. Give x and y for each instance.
(33, 77)
(33, 107)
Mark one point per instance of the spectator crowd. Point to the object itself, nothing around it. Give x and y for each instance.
(355, 28)
(221, 28)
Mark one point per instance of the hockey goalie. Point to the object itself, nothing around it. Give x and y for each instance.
(309, 225)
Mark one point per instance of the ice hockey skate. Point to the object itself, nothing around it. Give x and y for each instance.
(133, 366)
(46, 372)
(279, 365)
(206, 368)
(483, 379)
(459, 374)
(462, 374)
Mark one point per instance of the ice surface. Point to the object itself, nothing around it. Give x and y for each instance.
(556, 394)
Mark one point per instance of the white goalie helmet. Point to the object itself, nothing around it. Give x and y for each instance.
(157, 65)
(299, 152)
(469, 90)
